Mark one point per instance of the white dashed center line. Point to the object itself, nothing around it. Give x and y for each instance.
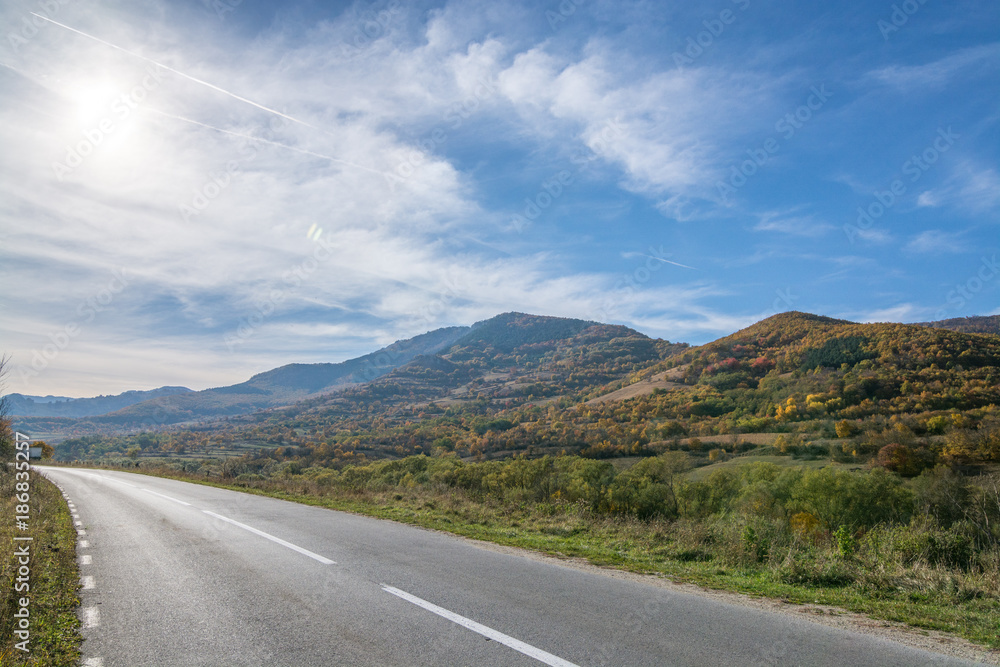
(495, 635)
(277, 540)
(173, 500)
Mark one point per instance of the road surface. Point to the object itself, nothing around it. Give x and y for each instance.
(183, 574)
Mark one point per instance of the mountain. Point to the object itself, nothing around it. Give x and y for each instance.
(509, 331)
(281, 386)
(508, 360)
(802, 342)
(523, 384)
(61, 406)
(981, 324)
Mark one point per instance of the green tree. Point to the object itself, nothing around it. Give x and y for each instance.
(839, 497)
(647, 489)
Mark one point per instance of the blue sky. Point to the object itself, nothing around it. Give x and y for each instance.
(197, 190)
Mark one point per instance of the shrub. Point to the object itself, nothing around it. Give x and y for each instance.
(838, 497)
(846, 544)
(846, 429)
(647, 489)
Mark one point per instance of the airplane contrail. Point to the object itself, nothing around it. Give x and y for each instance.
(667, 261)
(171, 69)
(266, 141)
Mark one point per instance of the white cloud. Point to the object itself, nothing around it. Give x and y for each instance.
(935, 241)
(668, 131)
(903, 312)
(970, 187)
(874, 236)
(940, 72)
(787, 222)
(387, 162)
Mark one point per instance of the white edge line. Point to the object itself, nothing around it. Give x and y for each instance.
(516, 644)
(91, 617)
(179, 502)
(278, 540)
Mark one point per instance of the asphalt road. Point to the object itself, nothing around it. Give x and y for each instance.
(183, 574)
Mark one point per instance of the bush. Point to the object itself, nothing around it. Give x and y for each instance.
(846, 429)
(838, 497)
(647, 489)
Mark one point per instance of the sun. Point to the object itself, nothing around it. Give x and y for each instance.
(93, 101)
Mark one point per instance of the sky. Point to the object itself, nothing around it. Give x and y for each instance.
(195, 191)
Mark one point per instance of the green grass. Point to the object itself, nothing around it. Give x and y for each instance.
(702, 472)
(967, 605)
(55, 637)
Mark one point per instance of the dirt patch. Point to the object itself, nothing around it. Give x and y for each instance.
(665, 381)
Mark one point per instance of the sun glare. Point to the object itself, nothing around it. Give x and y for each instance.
(94, 100)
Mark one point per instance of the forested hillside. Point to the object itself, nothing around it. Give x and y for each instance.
(906, 396)
(988, 324)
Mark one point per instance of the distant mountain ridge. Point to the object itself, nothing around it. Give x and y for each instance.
(526, 384)
(292, 383)
(61, 406)
(981, 324)
(283, 385)
(512, 344)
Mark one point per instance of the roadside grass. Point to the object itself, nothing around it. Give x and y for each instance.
(963, 603)
(54, 580)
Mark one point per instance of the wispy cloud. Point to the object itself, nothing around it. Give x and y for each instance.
(271, 173)
(970, 187)
(787, 222)
(941, 72)
(935, 241)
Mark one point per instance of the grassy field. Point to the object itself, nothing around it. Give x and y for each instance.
(718, 556)
(702, 472)
(54, 577)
